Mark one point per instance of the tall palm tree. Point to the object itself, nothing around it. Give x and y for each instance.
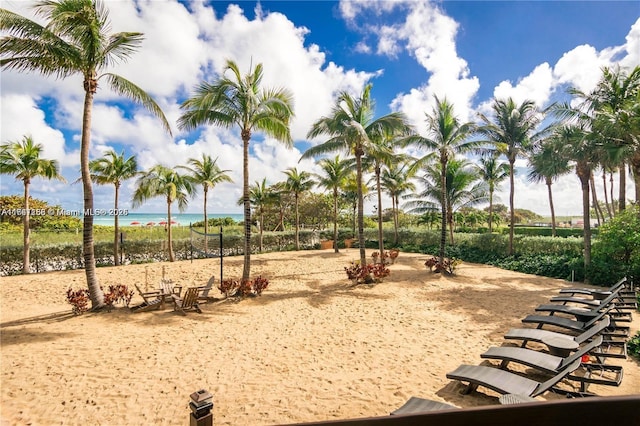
(447, 136)
(396, 180)
(113, 169)
(22, 159)
(614, 106)
(335, 173)
(513, 132)
(162, 181)
(350, 127)
(297, 183)
(546, 165)
(240, 101)
(75, 40)
(382, 155)
(463, 188)
(206, 172)
(259, 196)
(494, 172)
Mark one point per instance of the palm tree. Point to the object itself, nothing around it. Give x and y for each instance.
(350, 127)
(447, 137)
(615, 106)
(396, 181)
(259, 196)
(512, 131)
(22, 159)
(76, 40)
(493, 172)
(297, 183)
(336, 171)
(206, 172)
(241, 101)
(463, 188)
(162, 181)
(546, 165)
(113, 169)
(382, 155)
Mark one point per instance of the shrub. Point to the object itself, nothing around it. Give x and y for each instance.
(118, 293)
(79, 300)
(447, 265)
(367, 274)
(633, 345)
(255, 287)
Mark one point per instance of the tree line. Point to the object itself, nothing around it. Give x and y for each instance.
(600, 130)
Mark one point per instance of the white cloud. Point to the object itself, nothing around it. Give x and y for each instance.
(537, 86)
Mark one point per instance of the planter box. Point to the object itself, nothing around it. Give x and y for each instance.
(324, 245)
(348, 242)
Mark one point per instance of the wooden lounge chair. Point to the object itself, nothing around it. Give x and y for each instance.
(187, 302)
(152, 301)
(419, 405)
(505, 382)
(581, 313)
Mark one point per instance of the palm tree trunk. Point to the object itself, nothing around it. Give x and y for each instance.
(553, 212)
(380, 233)
(169, 239)
(512, 216)
(490, 210)
(363, 254)
(26, 267)
(613, 205)
(443, 203)
(246, 270)
(95, 292)
(594, 197)
(584, 172)
(622, 191)
(116, 240)
(261, 226)
(297, 223)
(635, 165)
(606, 196)
(335, 220)
(205, 189)
(394, 200)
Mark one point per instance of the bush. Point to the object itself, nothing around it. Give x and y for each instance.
(79, 300)
(233, 288)
(616, 252)
(633, 346)
(367, 274)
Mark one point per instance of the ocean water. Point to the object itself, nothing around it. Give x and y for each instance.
(154, 219)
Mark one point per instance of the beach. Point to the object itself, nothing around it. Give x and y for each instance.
(312, 347)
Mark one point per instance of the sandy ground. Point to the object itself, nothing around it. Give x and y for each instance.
(312, 347)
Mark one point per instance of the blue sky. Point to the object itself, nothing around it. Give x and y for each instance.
(468, 51)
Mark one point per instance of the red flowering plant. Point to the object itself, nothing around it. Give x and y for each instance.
(367, 274)
(255, 287)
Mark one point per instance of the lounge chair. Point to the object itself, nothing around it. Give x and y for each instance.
(583, 314)
(553, 364)
(152, 301)
(594, 292)
(505, 382)
(541, 361)
(538, 335)
(575, 325)
(187, 302)
(419, 405)
(204, 290)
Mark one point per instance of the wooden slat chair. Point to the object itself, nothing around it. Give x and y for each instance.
(188, 301)
(204, 290)
(168, 289)
(152, 301)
